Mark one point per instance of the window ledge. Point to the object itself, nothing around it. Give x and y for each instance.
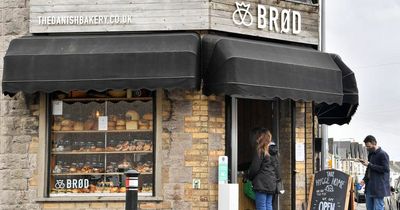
(96, 199)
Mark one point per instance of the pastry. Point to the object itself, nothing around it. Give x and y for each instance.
(120, 127)
(122, 190)
(99, 149)
(118, 147)
(67, 128)
(143, 127)
(110, 149)
(132, 125)
(72, 170)
(143, 122)
(117, 93)
(147, 147)
(77, 94)
(56, 127)
(139, 147)
(148, 116)
(113, 118)
(111, 123)
(132, 115)
(78, 126)
(67, 123)
(89, 124)
(132, 148)
(120, 122)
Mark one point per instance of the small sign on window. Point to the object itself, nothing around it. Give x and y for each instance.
(57, 107)
(103, 123)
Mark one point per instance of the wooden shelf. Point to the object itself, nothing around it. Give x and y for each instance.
(95, 174)
(95, 153)
(105, 99)
(106, 131)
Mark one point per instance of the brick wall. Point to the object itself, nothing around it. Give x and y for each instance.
(304, 136)
(285, 139)
(193, 138)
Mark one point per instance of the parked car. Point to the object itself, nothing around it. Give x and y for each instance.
(359, 189)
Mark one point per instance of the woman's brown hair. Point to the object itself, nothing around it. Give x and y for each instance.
(263, 139)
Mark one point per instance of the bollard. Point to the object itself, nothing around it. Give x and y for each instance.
(132, 184)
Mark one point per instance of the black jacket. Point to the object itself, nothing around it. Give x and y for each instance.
(377, 174)
(264, 171)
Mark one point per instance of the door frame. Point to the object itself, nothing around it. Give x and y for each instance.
(232, 125)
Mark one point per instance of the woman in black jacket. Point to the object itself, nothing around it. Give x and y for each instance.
(264, 169)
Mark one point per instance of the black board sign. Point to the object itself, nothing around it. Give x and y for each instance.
(330, 190)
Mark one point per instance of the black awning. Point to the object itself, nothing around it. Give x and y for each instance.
(340, 114)
(64, 63)
(255, 68)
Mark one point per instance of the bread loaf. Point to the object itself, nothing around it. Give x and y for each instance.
(78, 126)
(132, 125)
(148, 116)
(132, 115)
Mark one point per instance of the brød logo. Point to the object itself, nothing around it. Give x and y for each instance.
(268, 17)
(242, 15)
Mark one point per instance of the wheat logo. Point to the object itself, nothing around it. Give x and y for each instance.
(59, 184)
(242, 12)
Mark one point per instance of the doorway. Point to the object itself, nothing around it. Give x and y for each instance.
(248, 114)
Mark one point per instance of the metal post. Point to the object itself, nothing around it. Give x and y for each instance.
(322, 47)
(132, 184)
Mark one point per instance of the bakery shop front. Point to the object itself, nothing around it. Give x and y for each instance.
(167, 93)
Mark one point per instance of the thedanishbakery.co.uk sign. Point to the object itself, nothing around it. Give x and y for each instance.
(290, 20)
(85, 20)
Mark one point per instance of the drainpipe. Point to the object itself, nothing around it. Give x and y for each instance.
(322, 45)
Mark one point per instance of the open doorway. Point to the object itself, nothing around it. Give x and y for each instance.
(249, 114)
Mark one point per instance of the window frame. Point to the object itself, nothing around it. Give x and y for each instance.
(43, 156)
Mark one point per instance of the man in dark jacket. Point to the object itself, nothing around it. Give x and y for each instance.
(376, 177)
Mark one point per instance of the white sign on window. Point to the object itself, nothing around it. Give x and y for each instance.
(57, 107)
(103, 123)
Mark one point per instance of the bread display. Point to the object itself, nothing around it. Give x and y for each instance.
(83, 151)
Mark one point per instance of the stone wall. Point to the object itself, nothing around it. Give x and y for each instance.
(18, 122)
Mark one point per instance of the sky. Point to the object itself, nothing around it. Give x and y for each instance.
(366, 35)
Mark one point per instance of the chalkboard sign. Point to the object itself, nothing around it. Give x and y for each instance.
(331, 190)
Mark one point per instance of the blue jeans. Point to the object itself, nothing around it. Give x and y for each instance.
(374, 203)
(263, 201)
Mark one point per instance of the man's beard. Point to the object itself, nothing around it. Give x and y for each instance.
(370, 149)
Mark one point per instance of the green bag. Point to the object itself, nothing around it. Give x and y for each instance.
(248, 190)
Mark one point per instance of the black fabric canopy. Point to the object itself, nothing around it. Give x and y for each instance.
(64, 63)
(234, 66)
(335, 113)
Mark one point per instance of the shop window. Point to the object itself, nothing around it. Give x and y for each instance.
(95, 137)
